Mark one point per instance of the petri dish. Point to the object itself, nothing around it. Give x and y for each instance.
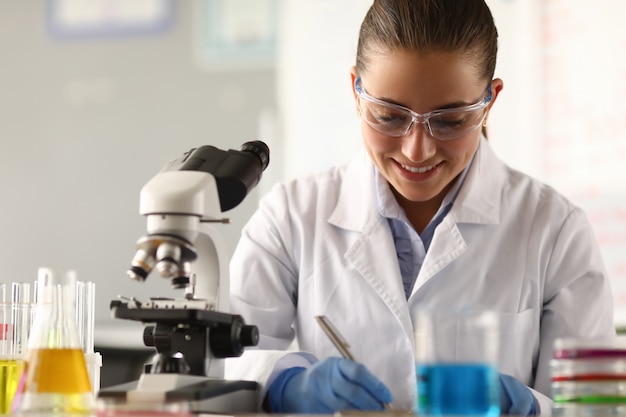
(612, 392)
(588, 410)
(571, 348)
(595, 369)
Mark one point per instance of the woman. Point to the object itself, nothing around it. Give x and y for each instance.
(426, 217)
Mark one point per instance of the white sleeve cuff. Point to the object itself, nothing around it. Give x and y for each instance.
(543, 402)
(291, 360)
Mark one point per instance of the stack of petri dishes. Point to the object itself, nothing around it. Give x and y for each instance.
(589, 377)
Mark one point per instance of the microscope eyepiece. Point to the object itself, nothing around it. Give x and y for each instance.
(236, 172)
(260, 149)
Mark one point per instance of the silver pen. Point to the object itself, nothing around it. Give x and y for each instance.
(340, 343)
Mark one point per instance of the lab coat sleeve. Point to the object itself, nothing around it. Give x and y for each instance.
(577, 299)
(264, 292)
(264, 274)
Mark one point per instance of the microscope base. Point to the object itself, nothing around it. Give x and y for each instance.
(199, 395)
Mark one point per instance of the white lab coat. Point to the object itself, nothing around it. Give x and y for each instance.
(318, 246)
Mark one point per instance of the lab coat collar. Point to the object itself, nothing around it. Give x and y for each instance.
(356, 205)
(478, 200)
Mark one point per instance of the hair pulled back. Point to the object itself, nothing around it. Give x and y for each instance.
(464, 26)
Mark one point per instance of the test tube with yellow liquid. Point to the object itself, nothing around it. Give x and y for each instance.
(15, 320)
(55, 379)
(10, 371)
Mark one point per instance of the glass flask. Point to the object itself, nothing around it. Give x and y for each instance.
(55, 380)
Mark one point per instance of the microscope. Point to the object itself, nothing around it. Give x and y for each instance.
(193, 334)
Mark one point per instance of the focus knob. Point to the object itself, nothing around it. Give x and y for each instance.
(229, 340)
(249, 335)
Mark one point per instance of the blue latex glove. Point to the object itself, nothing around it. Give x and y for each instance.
(331, 385)
(515, 398)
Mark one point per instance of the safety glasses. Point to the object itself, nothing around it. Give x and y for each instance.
(446, 124)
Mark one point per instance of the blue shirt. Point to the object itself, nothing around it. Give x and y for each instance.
(411, 247)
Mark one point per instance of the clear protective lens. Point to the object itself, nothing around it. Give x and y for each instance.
(453, 125)
(386, 119)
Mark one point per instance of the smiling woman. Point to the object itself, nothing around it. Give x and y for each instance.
(546, 122)
(424, 216)
(420, 170)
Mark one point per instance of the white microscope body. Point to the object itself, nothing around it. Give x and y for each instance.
(191, 200)
(193, 334)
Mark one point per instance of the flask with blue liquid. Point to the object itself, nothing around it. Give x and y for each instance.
(456, 363)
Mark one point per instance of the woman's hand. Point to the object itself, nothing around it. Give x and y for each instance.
(515, 398)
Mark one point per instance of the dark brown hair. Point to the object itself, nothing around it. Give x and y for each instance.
(464, 26)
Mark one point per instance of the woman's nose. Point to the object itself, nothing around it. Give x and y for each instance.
(418, 145)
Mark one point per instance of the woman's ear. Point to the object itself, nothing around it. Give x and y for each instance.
(496, 86)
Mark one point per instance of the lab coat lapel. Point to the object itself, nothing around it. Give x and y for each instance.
(373, 255)
(372, 251)
(478, 202)
(446, 246)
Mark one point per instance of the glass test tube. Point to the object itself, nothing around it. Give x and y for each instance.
(85, 318)
(21, 317)
(4, 320)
